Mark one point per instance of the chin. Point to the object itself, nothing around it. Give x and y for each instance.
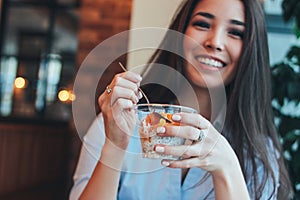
(212, 80)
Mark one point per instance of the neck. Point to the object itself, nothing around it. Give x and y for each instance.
(204, 102)
(208, 102)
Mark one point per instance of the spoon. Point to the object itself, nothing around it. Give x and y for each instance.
(146, 98)
(162, 117)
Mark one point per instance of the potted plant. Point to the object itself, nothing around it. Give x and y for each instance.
(286, 98)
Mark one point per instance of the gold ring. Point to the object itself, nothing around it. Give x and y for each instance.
(108, 90)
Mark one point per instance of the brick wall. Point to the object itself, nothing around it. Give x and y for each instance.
(99, 20)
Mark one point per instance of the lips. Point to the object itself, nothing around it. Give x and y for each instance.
(210, 61)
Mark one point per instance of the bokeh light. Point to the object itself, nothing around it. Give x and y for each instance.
(20, 82)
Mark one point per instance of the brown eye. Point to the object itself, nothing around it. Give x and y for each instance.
(237, 33)
(201, 24)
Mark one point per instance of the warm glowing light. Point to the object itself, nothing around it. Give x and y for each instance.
(63, 95)
(72, 96)
(66, 96)
(20, 82)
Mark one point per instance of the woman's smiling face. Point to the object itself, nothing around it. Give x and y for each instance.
(216, 28)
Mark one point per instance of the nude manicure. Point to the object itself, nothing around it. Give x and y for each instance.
(176, 117)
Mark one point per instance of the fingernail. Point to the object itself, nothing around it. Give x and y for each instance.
(140, 95)
(165, 163)
(139, 77)
(160, 129)
(159, 149)
(176, 117)
(136, 99)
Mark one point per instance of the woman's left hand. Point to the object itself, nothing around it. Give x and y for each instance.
(213, 153)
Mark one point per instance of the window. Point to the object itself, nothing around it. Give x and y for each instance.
(280, 33)
(38, 45)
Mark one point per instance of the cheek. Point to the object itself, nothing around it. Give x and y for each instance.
(187, 45)
(236, 52)
(187, 50)
(192, 42)
(229, 76)
(230, 72)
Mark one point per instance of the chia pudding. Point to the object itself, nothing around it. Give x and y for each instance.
(149, 137)
(152, 116)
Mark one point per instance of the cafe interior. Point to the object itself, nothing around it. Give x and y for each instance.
(43, 44)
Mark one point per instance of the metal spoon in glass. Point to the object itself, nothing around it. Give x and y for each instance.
(146, 98)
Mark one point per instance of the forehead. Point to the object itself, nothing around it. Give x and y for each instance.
(222, 9)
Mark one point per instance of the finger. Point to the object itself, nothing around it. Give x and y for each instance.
(123, 93)
(186, 163)
(186, 132)
(185, 151)
(130, 76)
(125, 83)
(123, 107)
(104, 102)
(122, 104)
(192, 119)
(127, 80)
(107, 101)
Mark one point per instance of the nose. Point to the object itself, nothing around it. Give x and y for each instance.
(215, 41)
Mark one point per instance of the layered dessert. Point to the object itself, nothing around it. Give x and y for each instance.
(149, 138)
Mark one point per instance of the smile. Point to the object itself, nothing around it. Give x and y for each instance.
(210, 62)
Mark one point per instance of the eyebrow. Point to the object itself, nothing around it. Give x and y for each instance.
(210, 16)
(205, 14)
(237, 22)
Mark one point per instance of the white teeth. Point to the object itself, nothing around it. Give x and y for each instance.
(211, 62)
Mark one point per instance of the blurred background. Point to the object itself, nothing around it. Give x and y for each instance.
(42, 45)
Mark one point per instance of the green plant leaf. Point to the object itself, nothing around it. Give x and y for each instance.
(296, 161)
(291, 9)
(288, 8)
(291, 136)
(293, 52)
(293, 90)
(296, 31)
(286, 85)
(288, 124)
(297, 14)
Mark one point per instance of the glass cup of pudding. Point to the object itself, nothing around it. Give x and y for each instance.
(152, 116)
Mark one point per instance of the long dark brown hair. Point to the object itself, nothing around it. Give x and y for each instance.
(249, 118)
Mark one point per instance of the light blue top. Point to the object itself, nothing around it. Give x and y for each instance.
(143, 179)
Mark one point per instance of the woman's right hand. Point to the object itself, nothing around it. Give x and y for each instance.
(116, 104)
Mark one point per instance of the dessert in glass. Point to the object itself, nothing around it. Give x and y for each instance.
(150, 117)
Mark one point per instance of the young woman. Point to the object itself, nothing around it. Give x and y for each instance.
(225, 44)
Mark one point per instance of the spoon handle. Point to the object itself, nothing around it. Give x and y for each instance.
(146, 98)
(157, 114)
